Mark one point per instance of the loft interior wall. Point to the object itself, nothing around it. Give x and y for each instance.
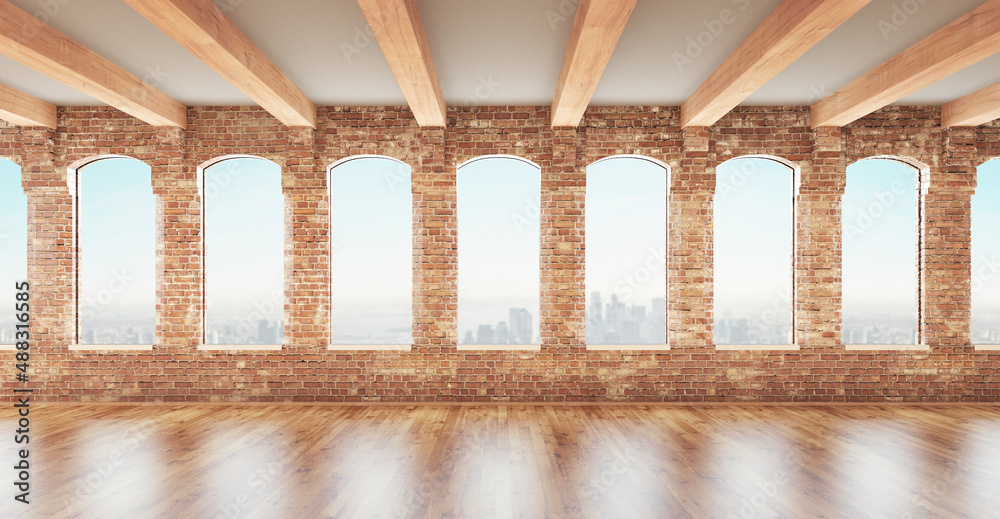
(564, 370)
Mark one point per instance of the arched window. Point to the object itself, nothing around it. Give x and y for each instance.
(244, 244)
(13, 244)
(626, 238)
(986, 256)
(754, 217)
(881, 253)
(116, 253)
(498, 253)
(371, 259)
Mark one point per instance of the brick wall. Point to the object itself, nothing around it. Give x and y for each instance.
(563, 370)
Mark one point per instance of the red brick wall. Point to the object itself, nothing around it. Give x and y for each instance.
(563, 370)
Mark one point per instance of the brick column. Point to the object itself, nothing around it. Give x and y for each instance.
(435, 230)
(562, 264)
(945, 271)
(689, 238)
(307, 251)
(50, 252)
(818, 268)
(178, 245)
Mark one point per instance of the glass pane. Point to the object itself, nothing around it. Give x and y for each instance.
(986, 255)
(244, 252)
(371, 225)
(498, 259)
(753, 214)
(880, 253)
(117, 237)
(13, 244)
(626, 227)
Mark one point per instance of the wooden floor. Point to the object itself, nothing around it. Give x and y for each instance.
(233, 461)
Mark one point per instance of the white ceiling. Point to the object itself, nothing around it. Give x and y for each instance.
(506, 51)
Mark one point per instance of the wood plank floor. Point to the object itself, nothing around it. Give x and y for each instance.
(531, 461)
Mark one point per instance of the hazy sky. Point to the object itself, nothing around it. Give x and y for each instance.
(117, 231)
(13, 237)
(498, 241)
(244, 240)
(753, 239)
(986, 248)
(626, 230)
(371, 225)
(880, 239)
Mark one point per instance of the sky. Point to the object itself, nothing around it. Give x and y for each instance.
(986, 248)
(880, 240)
(244, 241)
(13, 238)
(371, 225)
(117, 243)
(498, 241)
(753, 240)
(626, 230)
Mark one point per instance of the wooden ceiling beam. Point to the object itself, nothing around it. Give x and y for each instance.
(399, 31)
(202, 28)
(968, 40)
(792, 29)
(39, 46)
(596, 30)
(24, 110)
(981, 106)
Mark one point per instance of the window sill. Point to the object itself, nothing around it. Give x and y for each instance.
(757, 347)
(369, 347)
(499, 347)
(110, 347)
(239, 347)
(988, 347)
(628, 347)
(887, 347)
(7, 347)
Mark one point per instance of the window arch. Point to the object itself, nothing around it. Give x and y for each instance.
(985, 256)
(754, 252)
(115, 253)
(626, 242)
(499, 199)
(13, 243)
(371, 259)
(881, 253)
(243, 246)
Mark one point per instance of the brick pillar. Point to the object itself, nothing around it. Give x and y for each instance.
(818, 268)
(435, 230)
(562, 263)
(178, 245)
(307, 251)
(689, 238)
(50, 253)
(946, 237)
